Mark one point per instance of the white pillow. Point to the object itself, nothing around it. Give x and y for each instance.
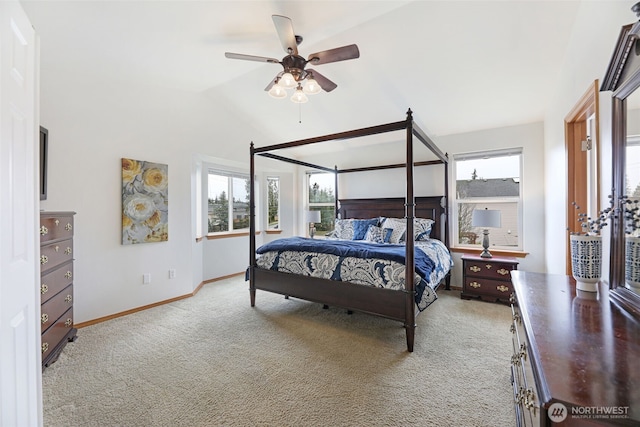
(398, 226)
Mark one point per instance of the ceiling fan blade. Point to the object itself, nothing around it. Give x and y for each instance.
(284, 27)
(273, 81)
(251, 58)
(326, 84)
(333, 55)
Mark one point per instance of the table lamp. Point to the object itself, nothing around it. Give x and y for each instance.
(312, 218)
(485, 219)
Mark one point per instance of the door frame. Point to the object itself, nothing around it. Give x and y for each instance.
(575, 130)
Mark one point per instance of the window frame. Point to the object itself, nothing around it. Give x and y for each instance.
(487, 201)
(318, 205)
(230, 174)
(278, 226)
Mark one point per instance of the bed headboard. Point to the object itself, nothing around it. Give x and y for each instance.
(426, 207)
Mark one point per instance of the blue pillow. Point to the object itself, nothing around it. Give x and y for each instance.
(360, 227)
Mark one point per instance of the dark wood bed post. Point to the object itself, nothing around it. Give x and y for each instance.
(252, 225)
(335, 168)
(410, 206)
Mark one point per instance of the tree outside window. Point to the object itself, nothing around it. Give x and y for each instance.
(273, 203)
(228, 207)
(321, 197)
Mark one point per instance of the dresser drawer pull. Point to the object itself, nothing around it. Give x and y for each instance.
(56, 248)
(475, 268)
(502, 288)
(68, 227)
(515, 360)
(68, 299)
(475, 285)
(512, 298)
(68, 322)
(56, 222)
(44, 318)
(503, 272)
(44, 259)
(512, 328)
(530, 401)
(44, 230)
(45, 347)
(488, 266)
(523, 351)
(516, 317)
(44, 289)
(68, 275)
(67, 251)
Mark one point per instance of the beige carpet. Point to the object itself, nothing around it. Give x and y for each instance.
(212, 360)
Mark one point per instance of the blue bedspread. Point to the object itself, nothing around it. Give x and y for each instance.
(353, 248)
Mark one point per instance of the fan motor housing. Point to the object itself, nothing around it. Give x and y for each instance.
(294, 64)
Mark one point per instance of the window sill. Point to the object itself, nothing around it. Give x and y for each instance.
(499, 252)
(225, 235)
(273, 231)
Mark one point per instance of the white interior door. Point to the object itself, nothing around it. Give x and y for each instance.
(20, 361)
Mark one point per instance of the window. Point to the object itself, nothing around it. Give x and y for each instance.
(273, 203)
(228, 207)
(321, 197)
(488, 180)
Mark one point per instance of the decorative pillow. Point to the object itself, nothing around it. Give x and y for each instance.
(386, 234)
(343, 229)
(397, 225)
(374, 234)
(422, 228)
(361, 227)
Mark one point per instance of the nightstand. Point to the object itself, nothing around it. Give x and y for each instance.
(488, 279)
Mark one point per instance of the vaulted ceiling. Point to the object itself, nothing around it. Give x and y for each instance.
(459, 65)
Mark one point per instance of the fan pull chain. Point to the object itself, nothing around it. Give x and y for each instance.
(300, 113)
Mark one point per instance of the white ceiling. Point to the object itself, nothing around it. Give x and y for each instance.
(460, 66)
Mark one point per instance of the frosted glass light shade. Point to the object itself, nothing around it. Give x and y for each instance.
(277, 91)
(311, 86)
(299, 97)
(287, 81)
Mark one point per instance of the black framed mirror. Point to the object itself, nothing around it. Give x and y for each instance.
(623, 79)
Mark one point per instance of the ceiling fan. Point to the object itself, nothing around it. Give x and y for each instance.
(294, 74)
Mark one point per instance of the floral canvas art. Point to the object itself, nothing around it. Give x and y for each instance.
(145, 202)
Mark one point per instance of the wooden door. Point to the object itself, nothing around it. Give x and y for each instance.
(583, 160)
(20, 369)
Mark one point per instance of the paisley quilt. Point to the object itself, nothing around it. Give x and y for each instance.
(372, 264)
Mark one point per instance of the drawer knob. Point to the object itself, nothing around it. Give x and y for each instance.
(45, 347)
(68, 322)
(530, 401)
(516, 317)
(512, 328)
(44, 289)
(475, 285)
(44, 230)
(67, 251)
(44, 259)
(68, 299)
(68, 275)
(503, 272)
(515, 360)
(502, 288)
(523, 351)
(44, 318)
(56, 222)
(68, 227)
(56, 248)
(474, 268)
(488, 266)
(512, 298)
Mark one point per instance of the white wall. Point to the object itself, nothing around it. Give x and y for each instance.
(92, 125)
(595, 33)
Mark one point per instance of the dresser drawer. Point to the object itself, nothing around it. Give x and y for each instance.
(489, 287)
(54, 254)
(56, 333)
(489, 269)
(55, 281)
(55, 227)
(56, 307)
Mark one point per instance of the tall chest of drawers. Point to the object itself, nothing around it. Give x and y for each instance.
(56, 283)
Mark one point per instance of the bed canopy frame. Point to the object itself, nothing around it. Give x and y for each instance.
(381, 302)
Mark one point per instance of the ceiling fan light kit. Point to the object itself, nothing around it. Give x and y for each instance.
(294, 75)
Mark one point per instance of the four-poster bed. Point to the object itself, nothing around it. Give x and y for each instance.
(396, 304)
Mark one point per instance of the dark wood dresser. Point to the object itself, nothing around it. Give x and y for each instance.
(56, 286)
(488, 279)
(576, 358)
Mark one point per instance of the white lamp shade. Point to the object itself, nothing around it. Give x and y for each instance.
(313, 216)
(485, 218)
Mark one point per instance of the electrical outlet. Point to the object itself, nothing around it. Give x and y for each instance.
(146, 278)
(172, 273)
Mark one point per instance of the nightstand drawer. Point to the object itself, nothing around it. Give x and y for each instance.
(488, 269)
(500, 289)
